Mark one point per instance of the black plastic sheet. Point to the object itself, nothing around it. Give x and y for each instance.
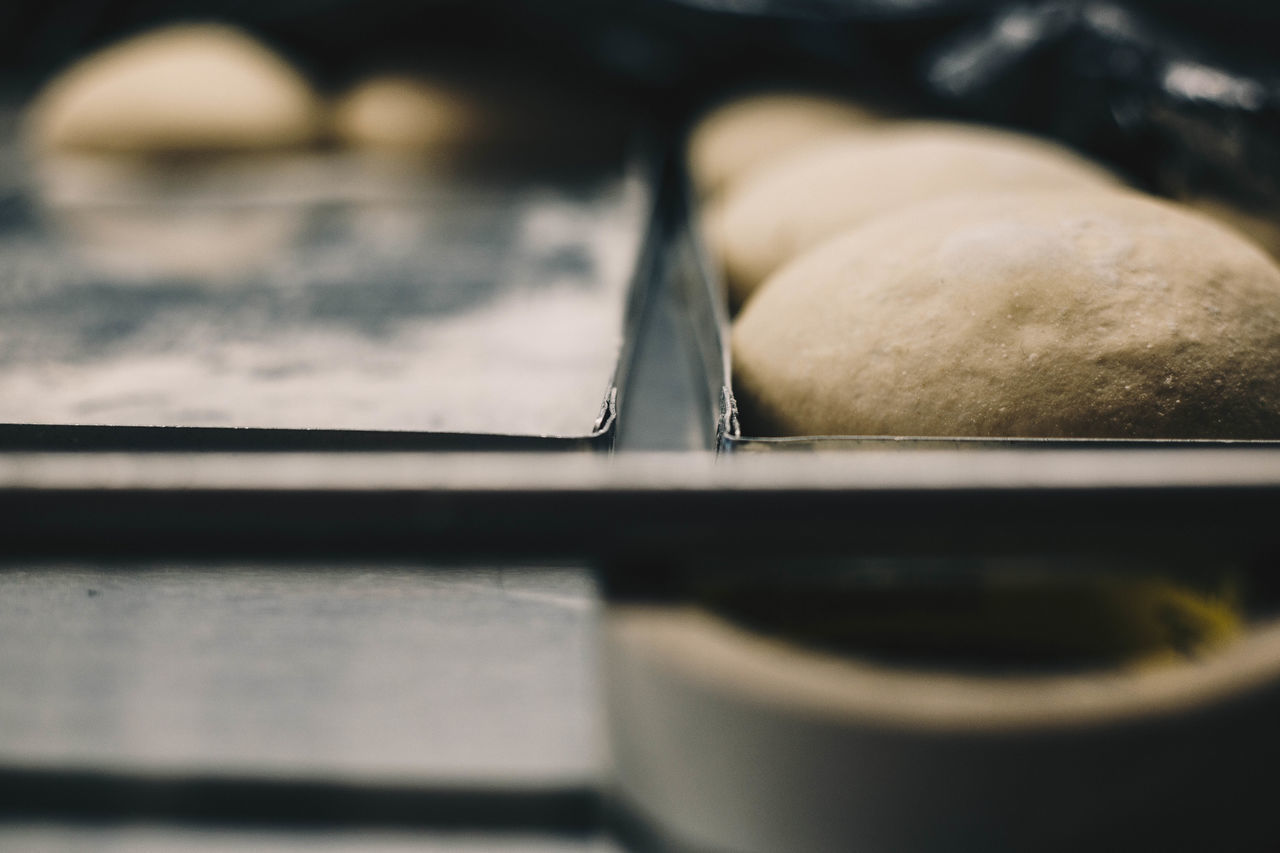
(1182, 114)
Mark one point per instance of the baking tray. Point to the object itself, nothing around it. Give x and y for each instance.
(319, 301)
(704, 296)
(644, 520)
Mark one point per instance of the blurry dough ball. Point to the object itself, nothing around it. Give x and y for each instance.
(742, 134)
(1060, 314)
(463, 117)
(782, 210)
(405, 113)
(188, 88)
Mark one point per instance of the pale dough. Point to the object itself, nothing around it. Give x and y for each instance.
(187, 88)
(463, 117)
(780, 211)
(1263, 230)
(740, 135)
(1062, 314)
(405, 113)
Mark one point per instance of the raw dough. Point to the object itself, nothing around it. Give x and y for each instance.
(1263, 230)
(470, 117)
(740, 135)
(782, 210)
(1067, 314)
(405, 113)
(188, 88)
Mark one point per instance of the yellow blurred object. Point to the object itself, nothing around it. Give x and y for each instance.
(409, 114)
(460, 117)
(1090, 620)
(180, 89)
(746, 132)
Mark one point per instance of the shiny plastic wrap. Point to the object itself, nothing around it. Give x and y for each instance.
(1187, 115)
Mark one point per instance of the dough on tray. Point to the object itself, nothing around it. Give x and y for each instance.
(465, 117)
(1058, 314)
(184, 88)
(1261, 229)
(746, 132)
(401, 112)
(781, 211)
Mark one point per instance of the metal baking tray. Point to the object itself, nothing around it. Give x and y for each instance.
(704, 294)
(328, 300)
(643, 518)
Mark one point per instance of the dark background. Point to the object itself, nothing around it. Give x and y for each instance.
(1095, 74)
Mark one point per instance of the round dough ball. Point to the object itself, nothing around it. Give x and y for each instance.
(408, 114)
(793, 205)
(469, 117)
(188, 88)
(1058, 314)
(742, 134)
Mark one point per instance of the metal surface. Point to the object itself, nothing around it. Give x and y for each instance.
(352, 673)
(354, 706)
(153, 707)
(656, 514)
(665, 407)
(150, 838)
(337, 299)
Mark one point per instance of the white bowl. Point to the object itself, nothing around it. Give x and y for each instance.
(727, 740)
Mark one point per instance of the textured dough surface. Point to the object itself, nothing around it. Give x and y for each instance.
(1263, 230)
(782, 210)
(202, 87)
(740, 135)
(1060, 314)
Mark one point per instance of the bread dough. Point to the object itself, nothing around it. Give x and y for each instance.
(188, 88)
(1263, 230)
(404, 113)
(1062, 314)
(782, 210)
(464, 117)
(746, 132)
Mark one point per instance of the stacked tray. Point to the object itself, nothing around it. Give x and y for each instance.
(390, 310)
